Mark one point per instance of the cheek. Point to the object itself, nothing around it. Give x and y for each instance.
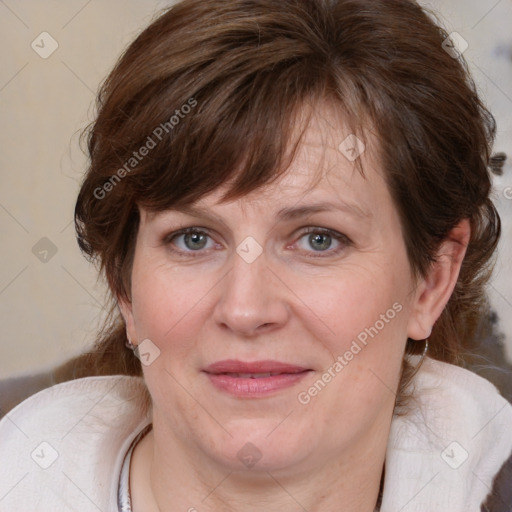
(366, 314)
(361, 303)
(366, 311)
(168, 304)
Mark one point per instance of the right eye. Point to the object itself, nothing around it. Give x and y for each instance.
(189, 240)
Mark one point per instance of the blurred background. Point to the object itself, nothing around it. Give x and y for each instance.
(54, 56)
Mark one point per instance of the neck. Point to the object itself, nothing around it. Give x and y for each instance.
(159, 477)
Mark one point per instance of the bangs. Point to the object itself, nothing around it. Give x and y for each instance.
(233, 115)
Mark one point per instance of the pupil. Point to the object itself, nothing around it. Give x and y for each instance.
(197, 240)
(321, 241)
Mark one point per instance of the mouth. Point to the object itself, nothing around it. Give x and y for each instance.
(253, 375)
(254, 379)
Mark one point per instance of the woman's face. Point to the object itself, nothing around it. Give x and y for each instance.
(289, 278)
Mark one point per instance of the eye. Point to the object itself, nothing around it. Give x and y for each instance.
(190, 240)
(322, 240)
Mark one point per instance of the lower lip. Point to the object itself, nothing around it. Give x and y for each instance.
(247, 387)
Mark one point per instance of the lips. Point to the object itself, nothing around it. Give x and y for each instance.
(256, 368)
(256, 379)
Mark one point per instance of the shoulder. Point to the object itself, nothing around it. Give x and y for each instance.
(459, 396)
(455, 402)
(454, 439)
(454, 377)
(89, 401)
(495, 426)
(66, 442)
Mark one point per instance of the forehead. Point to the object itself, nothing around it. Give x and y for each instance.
(323, 170)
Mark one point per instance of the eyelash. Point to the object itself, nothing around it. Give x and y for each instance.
(342, 239)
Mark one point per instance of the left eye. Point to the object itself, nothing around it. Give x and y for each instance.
(322, 240)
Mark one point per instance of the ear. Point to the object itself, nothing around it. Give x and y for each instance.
(126, 308)
(434, 290)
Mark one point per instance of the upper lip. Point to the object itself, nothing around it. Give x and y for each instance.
(235, 366)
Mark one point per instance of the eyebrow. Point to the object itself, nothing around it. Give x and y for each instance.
(304, 211)
(289, 213)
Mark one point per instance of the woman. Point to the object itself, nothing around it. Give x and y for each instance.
(290, 203)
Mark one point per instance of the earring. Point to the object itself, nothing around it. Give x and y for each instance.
(425, 350)
(423, 355)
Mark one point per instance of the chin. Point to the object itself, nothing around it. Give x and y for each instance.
(262, 449)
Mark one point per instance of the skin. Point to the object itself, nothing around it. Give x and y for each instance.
(296, 303)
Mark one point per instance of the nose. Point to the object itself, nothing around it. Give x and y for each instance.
(252, 300)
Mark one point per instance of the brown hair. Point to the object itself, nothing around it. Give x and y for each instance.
(217, 86)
